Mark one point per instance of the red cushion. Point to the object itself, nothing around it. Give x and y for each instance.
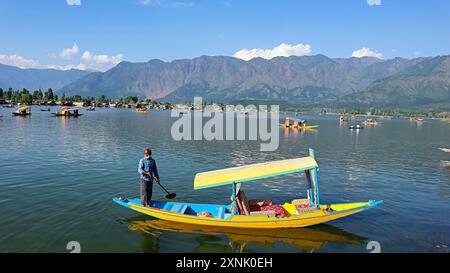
(279, 210)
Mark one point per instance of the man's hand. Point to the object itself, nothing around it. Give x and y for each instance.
(158, 181)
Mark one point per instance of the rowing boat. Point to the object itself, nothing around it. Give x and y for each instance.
(141, 110)
(371, 122)
(22, 111)
(232, 215)
(297, 124)
(66, 111)
(300, 127)
(445, 150)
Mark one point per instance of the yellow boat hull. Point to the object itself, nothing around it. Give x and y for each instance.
(257, 222)
(308, 127)
(371, 123)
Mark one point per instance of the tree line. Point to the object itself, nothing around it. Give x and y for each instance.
(24, 96)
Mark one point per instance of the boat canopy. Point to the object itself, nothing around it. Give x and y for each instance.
(23, 108)
(252, 172)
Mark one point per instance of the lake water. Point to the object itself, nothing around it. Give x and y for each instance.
(57, 177)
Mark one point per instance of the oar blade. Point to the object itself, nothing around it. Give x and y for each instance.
(171, 195)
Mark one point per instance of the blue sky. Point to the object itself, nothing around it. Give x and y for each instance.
(97, 34)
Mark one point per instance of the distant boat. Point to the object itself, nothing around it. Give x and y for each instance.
(355, 127)
(343, 119)
(298, 124)
(445, 150)
(68, 112)
(417, 119)
(371, 122)
(45, 110)
(91, 108)
(141, 110)
(22, 111)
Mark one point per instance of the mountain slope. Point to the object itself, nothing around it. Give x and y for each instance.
(425, 83)
(157, 79)
(32, 79)
(308, 79)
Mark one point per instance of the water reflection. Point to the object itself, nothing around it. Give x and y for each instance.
(221, 239)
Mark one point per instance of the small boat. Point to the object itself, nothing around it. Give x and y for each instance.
(68, 112)
(45, 110)
(445, 150)
(298, 124)
(91, 108)
(141, 110)
(255, 214)
(343, 119)
(418, 120)
(371, 122)
(355, 127)
(22, 111)
(9, 106)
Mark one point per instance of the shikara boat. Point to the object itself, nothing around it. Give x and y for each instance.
(239, 214)
(371, 122)
(445, 150)
(343, 119)
(68, 112)
(141, 110)
(22, 111)
(298, 124)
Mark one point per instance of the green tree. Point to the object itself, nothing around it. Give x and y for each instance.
(49, 95)
(37, 95)
(25, 97)
(1, 93)
(9, 94)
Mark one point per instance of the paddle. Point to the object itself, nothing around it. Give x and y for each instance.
(169, 195)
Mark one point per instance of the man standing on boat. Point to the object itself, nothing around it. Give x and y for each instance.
(148, 171)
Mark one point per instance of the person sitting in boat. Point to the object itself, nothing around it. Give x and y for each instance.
(148, 171)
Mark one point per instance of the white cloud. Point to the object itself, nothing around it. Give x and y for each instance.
(283, 50)
(19, 61)
(366, 52)
(68, 53)
(100, 62)
(73, 2)
(374, 2)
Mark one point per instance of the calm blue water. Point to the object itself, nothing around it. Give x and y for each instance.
(57, 177)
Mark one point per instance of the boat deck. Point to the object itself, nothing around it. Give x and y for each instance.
(217, 211)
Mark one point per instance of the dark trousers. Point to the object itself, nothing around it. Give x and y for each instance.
(146, 192)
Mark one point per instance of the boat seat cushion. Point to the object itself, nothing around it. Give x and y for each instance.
(279, 210)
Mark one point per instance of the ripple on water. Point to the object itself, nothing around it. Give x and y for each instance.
(66, 171)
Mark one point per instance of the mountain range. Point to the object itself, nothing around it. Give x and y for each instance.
(32, 79)
(306, 80)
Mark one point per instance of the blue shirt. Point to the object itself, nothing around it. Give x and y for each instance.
(148, 165)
